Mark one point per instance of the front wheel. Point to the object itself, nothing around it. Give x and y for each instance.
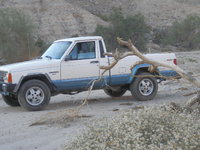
(144, 87)
(34, 95)
(115, 92)
(11, 100)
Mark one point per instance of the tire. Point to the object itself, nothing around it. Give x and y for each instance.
(34, 95)
(115, 93)
(144, 88)
(11, 100)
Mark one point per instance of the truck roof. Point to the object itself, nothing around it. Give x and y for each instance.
(80, 38)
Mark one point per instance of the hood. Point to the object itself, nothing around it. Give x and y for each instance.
(30, 65)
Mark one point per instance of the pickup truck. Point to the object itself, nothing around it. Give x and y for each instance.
(70, 65)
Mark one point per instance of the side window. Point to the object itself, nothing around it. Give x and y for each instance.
(83, 50)
(101, 49)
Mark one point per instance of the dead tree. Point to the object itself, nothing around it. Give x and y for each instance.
(154, 65)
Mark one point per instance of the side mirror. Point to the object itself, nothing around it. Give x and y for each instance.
(67, 58)
(108, 54)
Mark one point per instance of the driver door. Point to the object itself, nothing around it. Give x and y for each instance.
(81, 67)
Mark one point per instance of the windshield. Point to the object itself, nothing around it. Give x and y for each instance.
(56, 50)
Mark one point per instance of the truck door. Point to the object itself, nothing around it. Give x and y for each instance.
(81, 66)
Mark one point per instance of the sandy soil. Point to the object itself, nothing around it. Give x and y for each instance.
(16, 132)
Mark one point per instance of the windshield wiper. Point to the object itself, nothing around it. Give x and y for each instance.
(48, 57)
(39, 57)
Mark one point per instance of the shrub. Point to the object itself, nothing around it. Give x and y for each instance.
(152, 128)
(129, 27)
(42, 45)
(16, 35)
(184, 33)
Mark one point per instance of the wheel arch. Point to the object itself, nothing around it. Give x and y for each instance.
(139, 69)
(39, 76)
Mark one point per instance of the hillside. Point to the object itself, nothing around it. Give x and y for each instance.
(66, 18)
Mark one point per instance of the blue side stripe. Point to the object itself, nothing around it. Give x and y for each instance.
(168, 73)
(78, 83)
(122, 79)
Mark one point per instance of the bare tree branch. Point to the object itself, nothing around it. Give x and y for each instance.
(174, 67)
(117, 57)
(193, 100)
(155, 64)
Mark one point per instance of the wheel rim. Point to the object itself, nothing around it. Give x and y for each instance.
(146, 87)
(34, 96)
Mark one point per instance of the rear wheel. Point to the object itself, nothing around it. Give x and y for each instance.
(11, 100)
(145, 87)
(34, 95)
(115, 92)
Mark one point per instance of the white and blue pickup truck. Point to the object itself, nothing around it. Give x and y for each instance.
(70, 65)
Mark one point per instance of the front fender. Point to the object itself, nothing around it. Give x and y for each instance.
(43, 77)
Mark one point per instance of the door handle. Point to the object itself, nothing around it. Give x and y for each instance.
(94, 62)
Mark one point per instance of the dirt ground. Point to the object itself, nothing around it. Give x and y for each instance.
(16, 132)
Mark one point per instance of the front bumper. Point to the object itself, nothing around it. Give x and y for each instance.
(6, 88)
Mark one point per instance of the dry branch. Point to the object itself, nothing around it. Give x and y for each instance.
(117, 57)
(59, 118)
(193, 100)
(174, 67)
(156, 64)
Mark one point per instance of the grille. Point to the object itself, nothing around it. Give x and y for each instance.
(2, 75)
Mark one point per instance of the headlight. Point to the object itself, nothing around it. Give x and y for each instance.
(3, 76)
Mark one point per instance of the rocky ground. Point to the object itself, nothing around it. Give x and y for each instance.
(56, 130)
